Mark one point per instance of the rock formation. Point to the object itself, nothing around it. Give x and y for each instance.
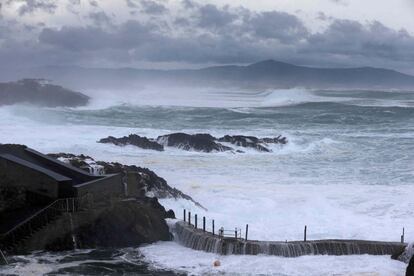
(197, 142)
(135, 140)
(410, 267)
(125, 223)
(244, 141)
(39, 92)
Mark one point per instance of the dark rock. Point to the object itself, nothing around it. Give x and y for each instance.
(244, 141)
(196, 142)
(135, 140)
(405, 254)
(277, 140)
(410, 267)
(127, 223)
(170, 214)
(398, 255)
(38, 92)
(76, 162)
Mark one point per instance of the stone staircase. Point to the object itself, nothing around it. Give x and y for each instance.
(11, 240)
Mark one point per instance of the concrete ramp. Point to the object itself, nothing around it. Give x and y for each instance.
(197, 239)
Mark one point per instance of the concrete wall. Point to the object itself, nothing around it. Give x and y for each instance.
(102, 189)
(196, 239)
(134, 185)
(32, 180)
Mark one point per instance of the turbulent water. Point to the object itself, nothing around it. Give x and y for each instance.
(346, 172)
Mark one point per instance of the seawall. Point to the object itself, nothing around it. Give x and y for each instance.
(197, 239)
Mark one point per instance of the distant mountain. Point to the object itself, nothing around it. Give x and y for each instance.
(39, 92)
(274, 74)
(264, 74)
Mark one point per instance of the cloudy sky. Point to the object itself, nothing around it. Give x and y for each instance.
(194, 33)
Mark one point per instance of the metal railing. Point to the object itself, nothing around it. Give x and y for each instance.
(3, 258)
(221, 233)
(236, 233)
(41, 218)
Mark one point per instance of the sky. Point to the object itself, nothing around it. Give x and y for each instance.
(193, 34)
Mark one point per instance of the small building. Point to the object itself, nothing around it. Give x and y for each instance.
(46, 179)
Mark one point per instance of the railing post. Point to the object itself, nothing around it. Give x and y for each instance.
(247, 231)
(213, 226)
(235, 233)
(304, 233)
(195, 221)
(184, 214)
(3, 257)
(204, 224)
(189, 218)
(402, 236)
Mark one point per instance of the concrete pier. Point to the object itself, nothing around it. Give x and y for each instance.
(197, 239)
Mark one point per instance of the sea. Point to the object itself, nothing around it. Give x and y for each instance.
(346, 172)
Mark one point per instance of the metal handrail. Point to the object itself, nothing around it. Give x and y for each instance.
(3, 257)
(222, 233)
(29, 218)
(43, 216)
(236, 233)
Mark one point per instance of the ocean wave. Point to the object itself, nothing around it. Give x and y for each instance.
(288, 97)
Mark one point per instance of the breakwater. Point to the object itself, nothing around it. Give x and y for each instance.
(198, 239)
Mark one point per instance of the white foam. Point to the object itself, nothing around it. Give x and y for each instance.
(276, 193)
(284, 97)
(169, 255)
(338, 185)
(172, 96)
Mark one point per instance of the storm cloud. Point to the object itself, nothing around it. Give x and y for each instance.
(30, 6)
(195, 33)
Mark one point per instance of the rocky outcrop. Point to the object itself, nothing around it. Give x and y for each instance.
(195, 142)
(252, 141)
(145, 179)
(276, 140)
(244, 141)
(125, 223)
(410, 267)
(135, 140)
(39, 92)
(406, 255)
(201, 142)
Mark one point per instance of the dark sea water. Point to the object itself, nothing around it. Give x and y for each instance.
(83, 262)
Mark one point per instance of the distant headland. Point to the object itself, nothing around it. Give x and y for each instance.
(39, 92)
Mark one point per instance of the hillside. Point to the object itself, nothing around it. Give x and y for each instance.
(261, 75)
(39, 92)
